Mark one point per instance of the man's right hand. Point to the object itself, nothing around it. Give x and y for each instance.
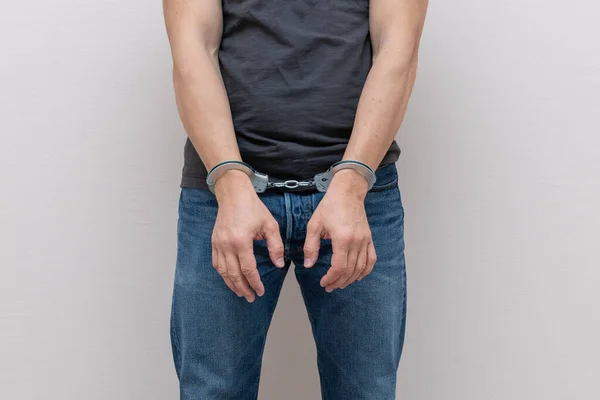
(242, 218)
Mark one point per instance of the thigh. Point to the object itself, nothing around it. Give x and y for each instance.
(359, 331)
(217, 337)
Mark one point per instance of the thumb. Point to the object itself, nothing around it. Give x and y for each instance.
(312, 243)
(274, 242)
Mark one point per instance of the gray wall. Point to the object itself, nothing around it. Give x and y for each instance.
(500, 180)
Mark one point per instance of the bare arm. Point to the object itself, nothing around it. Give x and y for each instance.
(194, 28)
(395, 27)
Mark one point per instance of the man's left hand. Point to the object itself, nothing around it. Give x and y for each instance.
(341, 217)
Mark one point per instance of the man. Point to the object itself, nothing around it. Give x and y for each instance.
(291, 88)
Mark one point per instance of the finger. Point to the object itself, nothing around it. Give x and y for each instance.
(215, 257)
(248, 268)
(339, 261)
(371, 259)
(222, 269)
(312, 243)
(235, 274)
(353, 259)
(343, 278)
(361, 264)
(346, 277)
(231, 286)
(274, 242)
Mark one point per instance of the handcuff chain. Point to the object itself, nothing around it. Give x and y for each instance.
(290, 184)
(261, 181)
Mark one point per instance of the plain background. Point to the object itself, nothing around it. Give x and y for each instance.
(500, 176)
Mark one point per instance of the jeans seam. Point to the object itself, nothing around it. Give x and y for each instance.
(175, 336)
(288, 223)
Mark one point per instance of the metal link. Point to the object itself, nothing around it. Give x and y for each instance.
(290, 184)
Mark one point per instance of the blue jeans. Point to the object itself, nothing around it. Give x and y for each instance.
(218, 338)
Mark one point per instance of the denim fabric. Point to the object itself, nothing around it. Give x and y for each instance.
(218, 338)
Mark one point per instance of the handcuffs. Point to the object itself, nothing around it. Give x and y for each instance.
(261, 182)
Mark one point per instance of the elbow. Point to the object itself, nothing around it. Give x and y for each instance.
(396, 61)
(182, 73)
(398, 53)
(188, 64)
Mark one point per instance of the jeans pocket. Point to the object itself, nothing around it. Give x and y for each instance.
(387, 178)
(385, 186)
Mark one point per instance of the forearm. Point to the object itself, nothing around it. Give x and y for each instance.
(194, 29)
(204, 108)
(395, 28)
(381, 108)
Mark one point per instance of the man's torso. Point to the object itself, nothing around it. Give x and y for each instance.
(294, 72)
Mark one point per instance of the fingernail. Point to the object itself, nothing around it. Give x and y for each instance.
(280, 262)
(307, 262)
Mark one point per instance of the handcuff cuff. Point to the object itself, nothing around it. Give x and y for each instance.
(261, 182)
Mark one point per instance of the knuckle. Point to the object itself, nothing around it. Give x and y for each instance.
(312, 225)
(238, 240)
(336, 270)
(232, 239)
(340, 271)
(372, 258)
(272, 226)
(309, 248)
(347, 238)
(223, 240)
(275, 247)
(341, 267)
(247, 270)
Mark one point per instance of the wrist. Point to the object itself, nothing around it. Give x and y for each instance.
(233, 182)
(349, 181)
